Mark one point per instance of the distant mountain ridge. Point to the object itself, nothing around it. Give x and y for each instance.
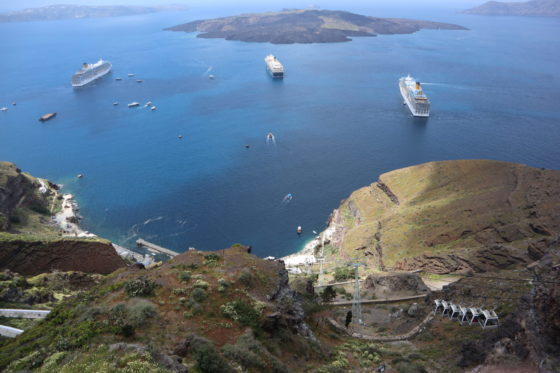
(304, 26)
(70, 11)
(549, 8)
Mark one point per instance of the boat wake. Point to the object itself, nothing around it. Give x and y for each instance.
(287, 199)
(270, 139)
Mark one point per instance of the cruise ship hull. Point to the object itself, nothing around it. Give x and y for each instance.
(274, 67)
(418, 109)
(88, 76)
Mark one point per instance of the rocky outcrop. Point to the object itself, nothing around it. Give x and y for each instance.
(289, 309)
(29, 256)
(12, 190)
(398, 283)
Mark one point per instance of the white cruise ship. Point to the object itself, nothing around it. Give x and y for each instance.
(274, 67)
(414, 97)
(89, 72)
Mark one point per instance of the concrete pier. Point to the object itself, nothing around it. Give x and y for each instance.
(153, 247)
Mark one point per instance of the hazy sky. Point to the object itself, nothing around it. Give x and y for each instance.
(272, 4)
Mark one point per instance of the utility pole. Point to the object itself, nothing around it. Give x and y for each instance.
(320, 280)
(321, 259)
(357, 301)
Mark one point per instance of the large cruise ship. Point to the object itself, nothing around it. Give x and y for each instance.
(414, 97)
(274, 67)
(90, 72)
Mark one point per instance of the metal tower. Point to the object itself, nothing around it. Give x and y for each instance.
(357, 301)
(321, 259)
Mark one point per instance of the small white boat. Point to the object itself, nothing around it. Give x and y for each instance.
(115, 103)
(3, 109)
(118, 78)
(79, 176)
(14, 103)
(153, 108)
(130, 75)
(210, 76)
(133, 104)
(149, 103)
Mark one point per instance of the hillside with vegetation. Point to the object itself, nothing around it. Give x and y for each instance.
(230, 311)
(447, 217)
(305, 26)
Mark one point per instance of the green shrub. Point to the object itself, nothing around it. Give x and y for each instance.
(201, 284)
(343, 273)
(208, 360)
(198, 295)
(242, 312)
(246, 278)
(223, 285)
(180, 291)
(328, 294)
(140, 287)
(246, 358)
(39, 208)
(185, 276)
(408, 367)
(140, 311)
(211, 260)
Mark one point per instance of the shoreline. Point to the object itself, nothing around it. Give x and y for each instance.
(67, 219)
(307, 256)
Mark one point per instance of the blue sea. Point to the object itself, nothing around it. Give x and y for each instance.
(337, 117)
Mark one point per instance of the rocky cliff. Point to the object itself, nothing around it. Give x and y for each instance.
(29, 255)
(453, 216)
(30, 243)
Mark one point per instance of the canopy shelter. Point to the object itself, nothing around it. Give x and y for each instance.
(488, 319)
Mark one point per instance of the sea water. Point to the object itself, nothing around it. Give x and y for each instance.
(337, 118)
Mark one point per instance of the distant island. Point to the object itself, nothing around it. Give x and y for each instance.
(549, 8)
(304, 26)
(69, 11)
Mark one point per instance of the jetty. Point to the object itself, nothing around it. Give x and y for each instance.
(153, 247)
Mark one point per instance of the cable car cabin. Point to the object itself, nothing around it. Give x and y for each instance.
(438, 306)
(488, 319)
(454, 311)
(446, 308)
(462, 318)
(473, 315)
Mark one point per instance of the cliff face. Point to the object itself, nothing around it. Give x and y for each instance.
(549, 8)
(31, 256)
(12, 190)
(454, 216)
(30, 243)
